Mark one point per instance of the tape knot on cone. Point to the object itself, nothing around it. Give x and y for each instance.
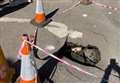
(25, 48)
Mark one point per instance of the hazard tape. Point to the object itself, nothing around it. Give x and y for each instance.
(93, 2)
(63, 61)
(105, 6)
(67, 63)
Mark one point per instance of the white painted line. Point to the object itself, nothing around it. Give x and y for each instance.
(61, 30)
(70, 8)
(14, 20)
(75, 34)
(58, 29)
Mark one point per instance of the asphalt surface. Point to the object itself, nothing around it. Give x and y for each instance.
(100, 28)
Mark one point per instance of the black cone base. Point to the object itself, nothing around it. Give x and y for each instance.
(41, 25)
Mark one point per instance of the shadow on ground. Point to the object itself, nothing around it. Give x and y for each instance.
(47, 71)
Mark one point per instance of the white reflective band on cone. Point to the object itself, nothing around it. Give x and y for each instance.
(28, 71)
(39, 7)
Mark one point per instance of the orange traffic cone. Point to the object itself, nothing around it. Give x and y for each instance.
(28, 72)
(6, 72)
(40, 18)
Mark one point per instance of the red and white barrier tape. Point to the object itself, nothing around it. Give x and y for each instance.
(93, 2)
(67, 63)
(105, 6)
(63, 61)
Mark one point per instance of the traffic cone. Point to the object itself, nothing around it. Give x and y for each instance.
(6, 73)
(40, 17)
(28, 72)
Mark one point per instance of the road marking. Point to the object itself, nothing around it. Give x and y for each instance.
(58, 29)
(75, 34)
(61, 30)
(18, 20)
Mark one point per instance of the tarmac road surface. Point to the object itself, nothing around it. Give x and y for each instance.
(90, 24)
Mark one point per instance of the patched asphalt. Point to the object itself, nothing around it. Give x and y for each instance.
(99, 28)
